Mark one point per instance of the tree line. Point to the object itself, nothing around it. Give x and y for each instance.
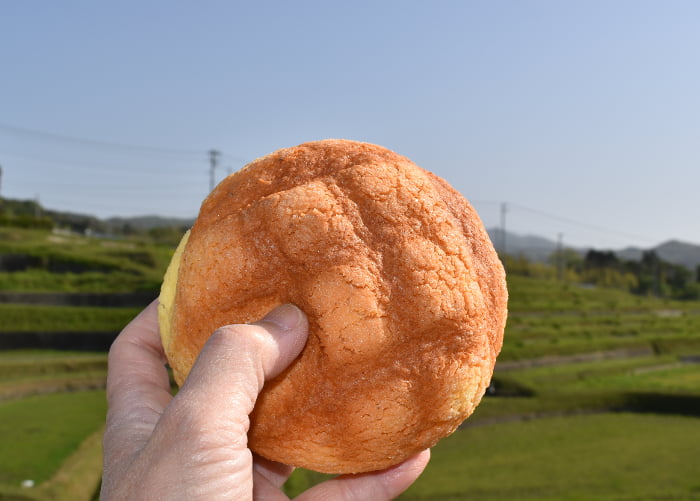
(650, 276)
(28, 214)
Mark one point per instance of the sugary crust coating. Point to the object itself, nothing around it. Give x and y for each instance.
(405, 295)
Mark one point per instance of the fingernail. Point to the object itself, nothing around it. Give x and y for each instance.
(286, 316)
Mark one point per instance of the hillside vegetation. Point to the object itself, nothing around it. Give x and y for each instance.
(45, 260)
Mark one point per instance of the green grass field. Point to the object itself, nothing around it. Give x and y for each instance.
(39, 432)
(607, 456)
(603, 457)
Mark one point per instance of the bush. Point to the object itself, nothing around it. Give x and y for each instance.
(27, 222)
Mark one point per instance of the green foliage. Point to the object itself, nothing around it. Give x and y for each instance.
(608, 277)
(568, 259)
(651, 276)
(29, 318)
(45, 281)
(520, 266)
(16, 208)
(28, 222)
(167, 235)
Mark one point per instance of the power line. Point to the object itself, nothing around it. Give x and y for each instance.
(504, 210)
(93, 143)
(574, 222)
(44, 135)
(511, 207)
(50, 160)
(86, 158)
(560, 256)
(213, 162)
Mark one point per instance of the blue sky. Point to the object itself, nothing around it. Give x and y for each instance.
(584, 117)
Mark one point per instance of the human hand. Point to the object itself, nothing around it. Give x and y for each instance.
(194, 445)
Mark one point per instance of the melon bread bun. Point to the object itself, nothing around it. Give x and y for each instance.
(405, 296)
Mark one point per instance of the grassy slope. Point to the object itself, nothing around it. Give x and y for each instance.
(82, 264)
(46, 425)
(551, 318)
(39, 432)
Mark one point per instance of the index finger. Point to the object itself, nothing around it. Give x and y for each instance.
(138, 386)
(379, 485)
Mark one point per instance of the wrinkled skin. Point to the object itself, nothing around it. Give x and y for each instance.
(194, 445)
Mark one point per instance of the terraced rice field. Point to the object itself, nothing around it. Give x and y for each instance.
(596, 396)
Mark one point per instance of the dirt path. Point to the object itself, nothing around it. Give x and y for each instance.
(15, 390)
(621, 353)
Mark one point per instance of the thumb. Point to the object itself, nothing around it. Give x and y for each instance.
(198, 449)
(229, 373)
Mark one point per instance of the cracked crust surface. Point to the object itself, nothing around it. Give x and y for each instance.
(405, 295)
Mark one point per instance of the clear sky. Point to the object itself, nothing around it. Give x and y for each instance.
(582, 116)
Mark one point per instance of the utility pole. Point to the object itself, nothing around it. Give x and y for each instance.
(0, 181)
(504, 210)
(657, 275)
(560, 257)
(213, 162)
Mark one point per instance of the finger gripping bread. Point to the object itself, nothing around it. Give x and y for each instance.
(405, 295)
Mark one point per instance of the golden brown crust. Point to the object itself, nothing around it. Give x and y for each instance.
(405, 296)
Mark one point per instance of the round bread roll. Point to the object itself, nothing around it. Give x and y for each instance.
(405, 296)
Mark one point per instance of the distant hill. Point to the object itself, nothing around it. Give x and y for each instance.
(539, 249)
(83, 223)
(533, 247)
(673, 251)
